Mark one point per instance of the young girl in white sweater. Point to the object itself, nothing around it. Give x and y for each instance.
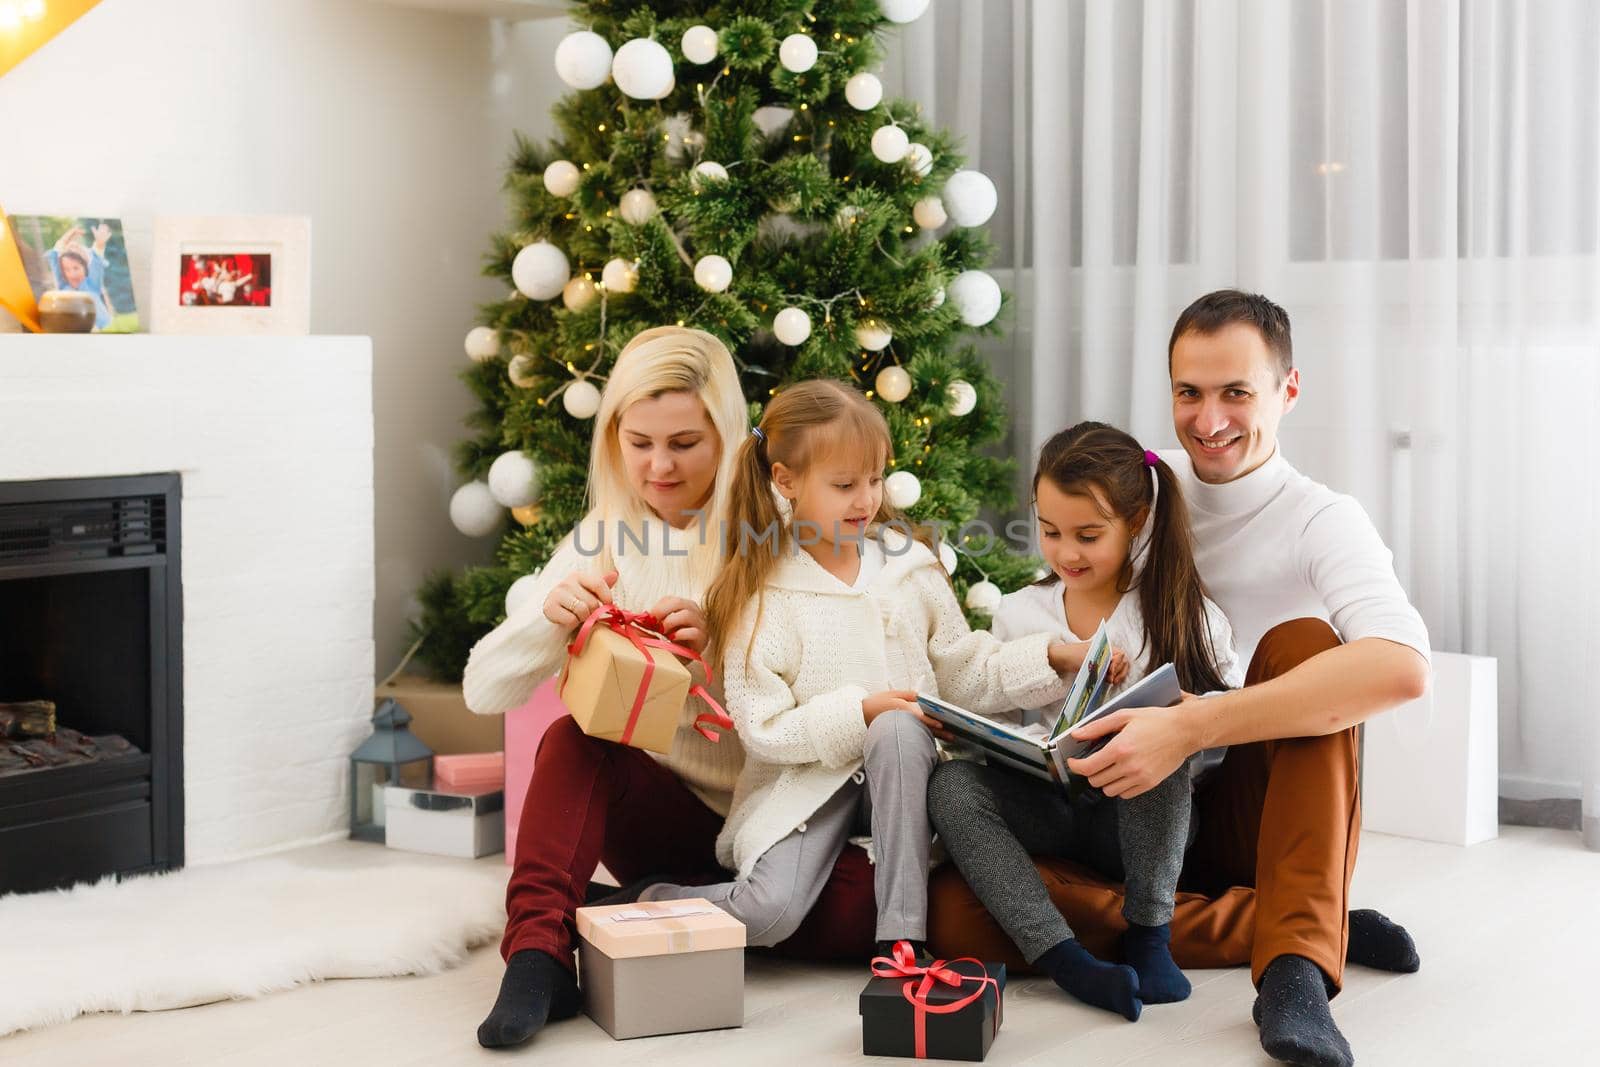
(828, 620)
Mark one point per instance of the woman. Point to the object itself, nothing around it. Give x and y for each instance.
(670, 421)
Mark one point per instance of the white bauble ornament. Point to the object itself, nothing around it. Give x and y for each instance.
(938, 298)
(771, 120)
(889, 144)
(475, 511)
(873, 335)
(520, 371)
(642, 69)
(514, 480)
(540, 271)
(792, 326)
(713, 273)
(1040, 574)
(638, 207)
(977, 297)
(520, 592)
(919, 158)
(847, 215)
(902, 11)
(708, 171)
(929, 213)
(902, 489)
(983, 598)
(863, 91)
(893, 384)
(561, 178)
(947, 557)
(482, 344)
(970, 197)
(579, 293)
(619, 276)
(797, 53)
(960, 398)
(581, 399)
(583, 60)
(699, 44)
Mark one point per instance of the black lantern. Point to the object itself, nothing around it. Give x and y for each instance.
(393, 755)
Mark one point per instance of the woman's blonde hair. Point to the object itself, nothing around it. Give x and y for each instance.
(666, 359)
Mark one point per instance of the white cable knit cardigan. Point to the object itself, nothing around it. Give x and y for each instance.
(523, 651)
(821, 648)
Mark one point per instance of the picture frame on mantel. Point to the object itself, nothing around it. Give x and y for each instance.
(231, 274)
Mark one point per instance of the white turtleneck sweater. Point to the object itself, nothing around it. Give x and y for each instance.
(527, 648)
(1275, 545)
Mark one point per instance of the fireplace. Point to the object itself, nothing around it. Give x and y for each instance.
(91, 703)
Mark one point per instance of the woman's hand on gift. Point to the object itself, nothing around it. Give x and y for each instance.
(576, 597)
(682, 622)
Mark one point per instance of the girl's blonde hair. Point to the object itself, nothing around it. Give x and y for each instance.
(666, 359)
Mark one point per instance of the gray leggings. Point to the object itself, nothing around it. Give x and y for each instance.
(888, 797)
(993, 820)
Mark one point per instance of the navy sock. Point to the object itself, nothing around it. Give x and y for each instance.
(1376, 941)
(535, 989)
(1292, 1011)
(1148, 951)
(1112, 986)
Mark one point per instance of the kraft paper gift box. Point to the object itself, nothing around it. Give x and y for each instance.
(440, 717)
(944, 1010)
(444, 824)
(662, 967)
(606, 687)
(472, 772)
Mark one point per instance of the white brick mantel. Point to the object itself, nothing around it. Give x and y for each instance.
(273, 438)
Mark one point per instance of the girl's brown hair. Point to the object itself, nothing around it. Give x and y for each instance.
(1093, 456)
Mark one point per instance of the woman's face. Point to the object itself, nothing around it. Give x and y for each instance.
(670, 451)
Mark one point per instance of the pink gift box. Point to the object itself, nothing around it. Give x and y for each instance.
(470, 772)
(525, 727)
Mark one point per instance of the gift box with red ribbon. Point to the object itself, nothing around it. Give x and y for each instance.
(933, 1010)
(625, 682)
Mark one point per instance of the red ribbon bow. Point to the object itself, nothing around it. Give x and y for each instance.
(643, 630)
(903, 964)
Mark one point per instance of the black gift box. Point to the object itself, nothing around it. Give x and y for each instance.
(889, 1019)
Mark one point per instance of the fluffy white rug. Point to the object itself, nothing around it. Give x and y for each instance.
(238, 930)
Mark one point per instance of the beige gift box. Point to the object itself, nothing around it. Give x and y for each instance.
(601, 684)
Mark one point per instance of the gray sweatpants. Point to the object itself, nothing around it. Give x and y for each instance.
(888, 797)
(993, 820)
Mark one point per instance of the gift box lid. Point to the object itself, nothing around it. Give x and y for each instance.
(471, 762)
(482, 802)
(659, 928)
(891, 989)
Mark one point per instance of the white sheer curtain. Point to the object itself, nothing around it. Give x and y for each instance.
(1418, 183)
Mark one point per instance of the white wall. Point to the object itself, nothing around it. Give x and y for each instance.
(388, 126)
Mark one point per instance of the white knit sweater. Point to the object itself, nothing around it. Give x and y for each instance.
(527, 648)
(820, 649)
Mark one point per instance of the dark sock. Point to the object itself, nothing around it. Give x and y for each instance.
(1112, 986)
(596, 892)
(919, 949)
(534, 990)
(1292, 1011)
(1148, 951)
(1375, 941)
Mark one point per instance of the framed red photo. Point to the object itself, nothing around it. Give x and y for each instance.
(232, 274)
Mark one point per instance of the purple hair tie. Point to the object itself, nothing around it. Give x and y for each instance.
(1150, 458)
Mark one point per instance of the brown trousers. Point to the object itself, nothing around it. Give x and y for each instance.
(1268, 874)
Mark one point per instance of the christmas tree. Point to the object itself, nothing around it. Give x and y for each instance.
(734, 167)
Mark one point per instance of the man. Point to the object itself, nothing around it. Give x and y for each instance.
(1310, 591)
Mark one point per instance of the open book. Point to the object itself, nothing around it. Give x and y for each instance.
(1043, 750)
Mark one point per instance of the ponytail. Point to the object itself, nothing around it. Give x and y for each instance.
(1172, 598)
(751, 543)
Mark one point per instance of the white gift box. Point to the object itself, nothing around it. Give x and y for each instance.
(1431, 768)
(445, 824)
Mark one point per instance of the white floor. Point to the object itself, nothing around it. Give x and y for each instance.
(1509, 933)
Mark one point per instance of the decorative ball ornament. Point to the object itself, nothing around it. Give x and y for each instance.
(960, 398)
(970, 197)
(521, 591)
(619, 276)
(474, 510)
(902, 489)
(947, 557)
(874, 336)
(976, 296)
(863, 91)
(581, 399)
(540, 271)
(583, 60)
(938, 298)
(847, 215)
(642, 69)
(528, 514)
(797, 53)
(929, 213)
(482, 344)
(919, 157)
(561, 178)
(983, 598)
(902, 11)
(889, 144)
(520, 371)
(893, 384)
(713, 273)
(709, 171)
(792, 326)
(699, 44)
(514, 480)
(638, 207)
(579, 293)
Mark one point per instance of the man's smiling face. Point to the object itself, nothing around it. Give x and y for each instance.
(1228, 396)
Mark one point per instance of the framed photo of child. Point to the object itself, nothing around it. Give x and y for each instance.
(231, 274)
(82, 254)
